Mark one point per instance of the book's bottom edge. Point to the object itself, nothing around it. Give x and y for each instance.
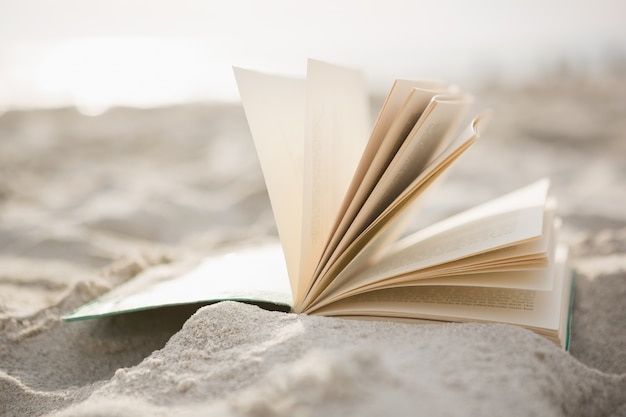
(192, 307)
(570, 310)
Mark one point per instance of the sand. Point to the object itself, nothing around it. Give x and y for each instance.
(87, 203)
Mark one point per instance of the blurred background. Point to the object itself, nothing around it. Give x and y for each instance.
(123, 146)
(96, 54)
(169, 158)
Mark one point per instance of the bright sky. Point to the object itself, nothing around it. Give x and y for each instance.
(99, 53)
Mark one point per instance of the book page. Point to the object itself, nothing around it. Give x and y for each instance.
(532, 195)
(426, 139)
(336, 130)
(347, 262)
(403, 106)
(450, 254)
(477, 237)
(430, 131)
(380, 151)
(523, 266)
(256, 275)
(527, 279)
(537, 310)
(531, 254)
(460, 237)
(274, 108)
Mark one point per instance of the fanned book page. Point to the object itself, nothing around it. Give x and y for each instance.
(341, 195)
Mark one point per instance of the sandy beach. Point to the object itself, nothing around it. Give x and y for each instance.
(87, 203)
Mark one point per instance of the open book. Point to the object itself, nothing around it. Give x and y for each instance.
(342, 195)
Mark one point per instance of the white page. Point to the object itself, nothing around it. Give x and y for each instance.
(427, 137)
(394, 125)
(349, 260)
(523, 266)
(405, 102)
(533, 309)
(477, 237)
(336, 130)
(531, 279)
(275, 108)
(499, 225)
(532, 195)
(250, 274)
